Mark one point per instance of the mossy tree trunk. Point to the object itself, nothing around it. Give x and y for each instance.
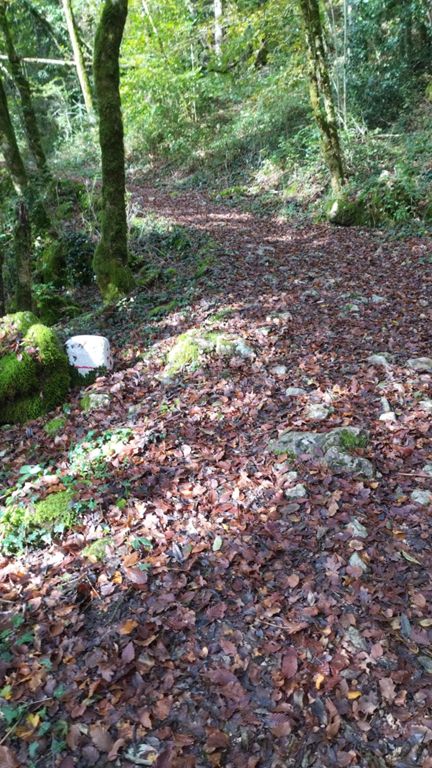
(22, 235)
(23, 86)
(110, 261)
(321, 93)
(78, 56)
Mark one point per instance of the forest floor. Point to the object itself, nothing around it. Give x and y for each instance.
(234, 618)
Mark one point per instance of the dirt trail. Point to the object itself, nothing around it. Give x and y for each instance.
(247, 637)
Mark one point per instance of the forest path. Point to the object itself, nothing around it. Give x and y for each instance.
(236, 619)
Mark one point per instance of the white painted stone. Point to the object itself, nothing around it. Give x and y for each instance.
(89, 352)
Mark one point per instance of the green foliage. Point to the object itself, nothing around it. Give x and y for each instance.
(97, 550)
(350, 442)
(27, 524)
(93, 454)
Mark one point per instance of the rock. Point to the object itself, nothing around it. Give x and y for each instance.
(427, 469)
(420, 364)
(356, 562)
(190, 349)
(88, 353)
(426, 405)
(422, 497)
(380, 360)
(333, 447)
(278, 370)
(291, 477)
(295, 392)
(94, 401)
(377, 299)
(388, 416)
(298, 492)
(357, 529)
(317, 412)
(385, 405)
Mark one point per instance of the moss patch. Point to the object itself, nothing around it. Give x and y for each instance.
(55, 426)
(97, 550)
(191, 347)
(29, 524)
(34, 370)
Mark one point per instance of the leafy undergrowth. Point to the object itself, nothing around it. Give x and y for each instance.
(222, 620)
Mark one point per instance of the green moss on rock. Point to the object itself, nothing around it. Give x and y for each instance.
(97, 550)
(56, 425)
(34, 377)
(28, 524)
(191, 348)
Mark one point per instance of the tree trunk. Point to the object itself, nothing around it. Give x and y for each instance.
(110, 261)
(321, 93)
(218, 34)
(23, 86)
(22, 233)
(78, 56)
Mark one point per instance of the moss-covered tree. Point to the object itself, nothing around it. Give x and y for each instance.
(321, 92)
(23, 87)
(22, 235)
(110, 261)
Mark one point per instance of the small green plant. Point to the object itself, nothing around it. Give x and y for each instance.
(26, 524)
(97, 550)
(92, 455)
(352, 442)
(55, 426)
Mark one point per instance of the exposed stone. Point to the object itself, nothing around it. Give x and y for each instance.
(422, 497)
(377, 299)
(356, 562)
(295, 392)
(357, 529)
(317, 412)
(278, 370)
(330, 446)
(426, 405)
(427, 469)
(298, 492)
(380, 360)
(420, 364)
(388, 416)
(93, 401)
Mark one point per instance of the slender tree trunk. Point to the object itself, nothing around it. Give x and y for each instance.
(78, 56)
(110, 261)
(2, 296)
(218, 34)
(22, 233)
(321, 93)
(23, 86)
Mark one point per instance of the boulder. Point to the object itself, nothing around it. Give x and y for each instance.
(89, 353)
(333, 447)
(34, 370)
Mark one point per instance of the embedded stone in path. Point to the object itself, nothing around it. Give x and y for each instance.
(380, 360)
(295, 392)
(317, 412)
(420, 364)
(88, 353)
(333, 447)
(422, 497)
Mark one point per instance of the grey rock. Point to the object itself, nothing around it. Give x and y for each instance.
(357, 529)
(94, 401)
(356, 639)
(356, 562)
(422, 497)
(317, 412)
(327, 445)
(426, 405)
(298, 492)
(278, 370)
(420, 364)
(385, 405)
(380, 360)
(377, 299)
(295, 392)
(427, 469)
(388, 416)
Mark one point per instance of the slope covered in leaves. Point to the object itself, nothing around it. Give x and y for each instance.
(224, 621)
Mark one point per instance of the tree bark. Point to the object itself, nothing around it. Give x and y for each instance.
(78, 56)
(22, 233)
(110, 261)
(321, 93)
(23, 86)
(218, 33)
